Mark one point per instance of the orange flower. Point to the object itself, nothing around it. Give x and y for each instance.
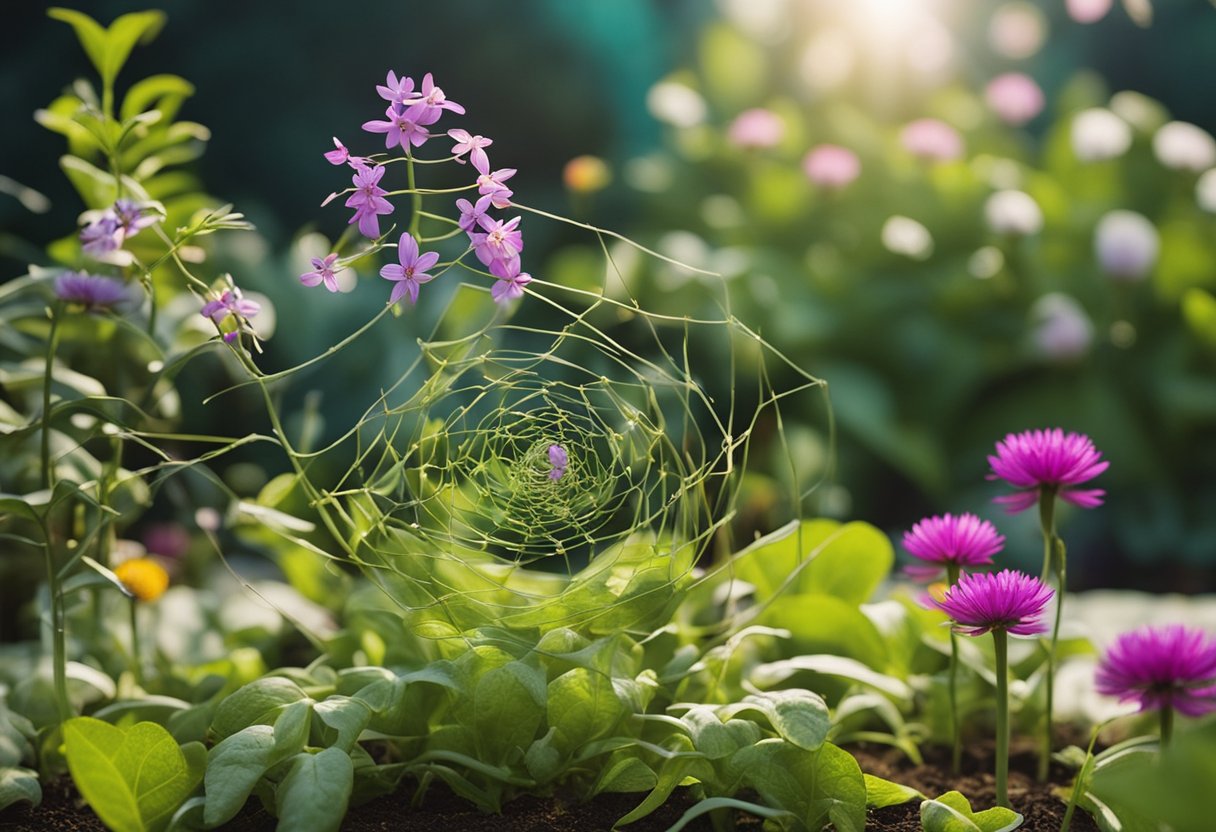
(587, 174)
(144, 578)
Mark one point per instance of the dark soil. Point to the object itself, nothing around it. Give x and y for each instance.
(442, 811)
(1042, 810)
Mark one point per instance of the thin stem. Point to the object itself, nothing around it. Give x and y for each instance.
(136, 664)
(52, 344)
(1082, 778)
(58, 634)
(1053, 561)
(1001, 645)
(416, 214)
(1167, 725)
(956, 728)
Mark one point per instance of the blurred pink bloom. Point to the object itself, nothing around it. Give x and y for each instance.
(831, 166)
(169, 540)
(756, 129)
(933, 139)
(1015, 98)
(1087, 11)
(1162, 667)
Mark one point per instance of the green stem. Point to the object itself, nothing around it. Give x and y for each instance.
(136, 665)
(52, 345)
(1053, 561)
(416, 214)
(58, 634)
(1167, 725)
(1082, 780)
(956, 728)
(1001, 645)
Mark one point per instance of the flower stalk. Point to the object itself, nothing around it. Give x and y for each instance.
(1000, 644)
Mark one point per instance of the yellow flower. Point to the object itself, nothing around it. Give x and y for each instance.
(587, 174)
(144, 578)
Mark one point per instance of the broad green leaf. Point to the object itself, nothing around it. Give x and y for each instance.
(315, 792)
(165, 91)
(826, 624)
(583, 706)
(881, 793)
(952, 813)
(774, 673)
(348, 717)
(799, 716)
(122, 36)
(133, 778)
(19, 784)
(257, 702)
(233, 769)
(509, 704)
(671, 774)
(816, 786)
(628, 774)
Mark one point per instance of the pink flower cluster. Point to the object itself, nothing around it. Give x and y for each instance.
(410, 114)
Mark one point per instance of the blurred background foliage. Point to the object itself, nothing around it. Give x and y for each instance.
(935, 341)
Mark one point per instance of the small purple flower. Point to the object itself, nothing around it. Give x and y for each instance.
(559, 460)
(368, 200)
(230, 303)
(90, 291)
(510, 284)
(435, 100)
(101, 236)
(502, 241)
(132, 217)
(397, 91)
(471, 213)
(1035, 460)
(412, 272)
(490, 183)
(472, 145)
(1161, 667)
(404, 128)
(1007, 600)
(323, 272)
(964, 541)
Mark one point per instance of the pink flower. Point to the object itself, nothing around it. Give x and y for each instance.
(323, 272)
(1015, 98)
(412, 272)
(831, 166)
(964, 541)
(932, 139)
(491, 183)
(1008, 600)
(559, 459)
(472, 145)
(511, 281)
(90, 291)
(502, 241)
(756, 129)
(340, 156)
(471, 213)
(1035, 460)
(368, 200)
(1161, 667)
(404, 127)
(397, 91)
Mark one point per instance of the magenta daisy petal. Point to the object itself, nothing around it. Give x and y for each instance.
(1172, 666)
(963, 541)
(1037, 460)
(1007, 600)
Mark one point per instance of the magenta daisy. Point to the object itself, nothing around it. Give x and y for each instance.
(1047, 460)
(1162, 667)
(1009, 601)
(947, 540)
(412, 271)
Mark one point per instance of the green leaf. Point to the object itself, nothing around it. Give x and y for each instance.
(629, 774)
(163, 91)
(711, 804)
(348, 717)
(852, 561)
(234, 767)
(774, 673)
(315, 792)
(133, 778)
(257, 702)
(816, 786)
(881, 793)
(18, 784)
(583, 706)
(799, 716)
(952, 813)
(90, 33)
